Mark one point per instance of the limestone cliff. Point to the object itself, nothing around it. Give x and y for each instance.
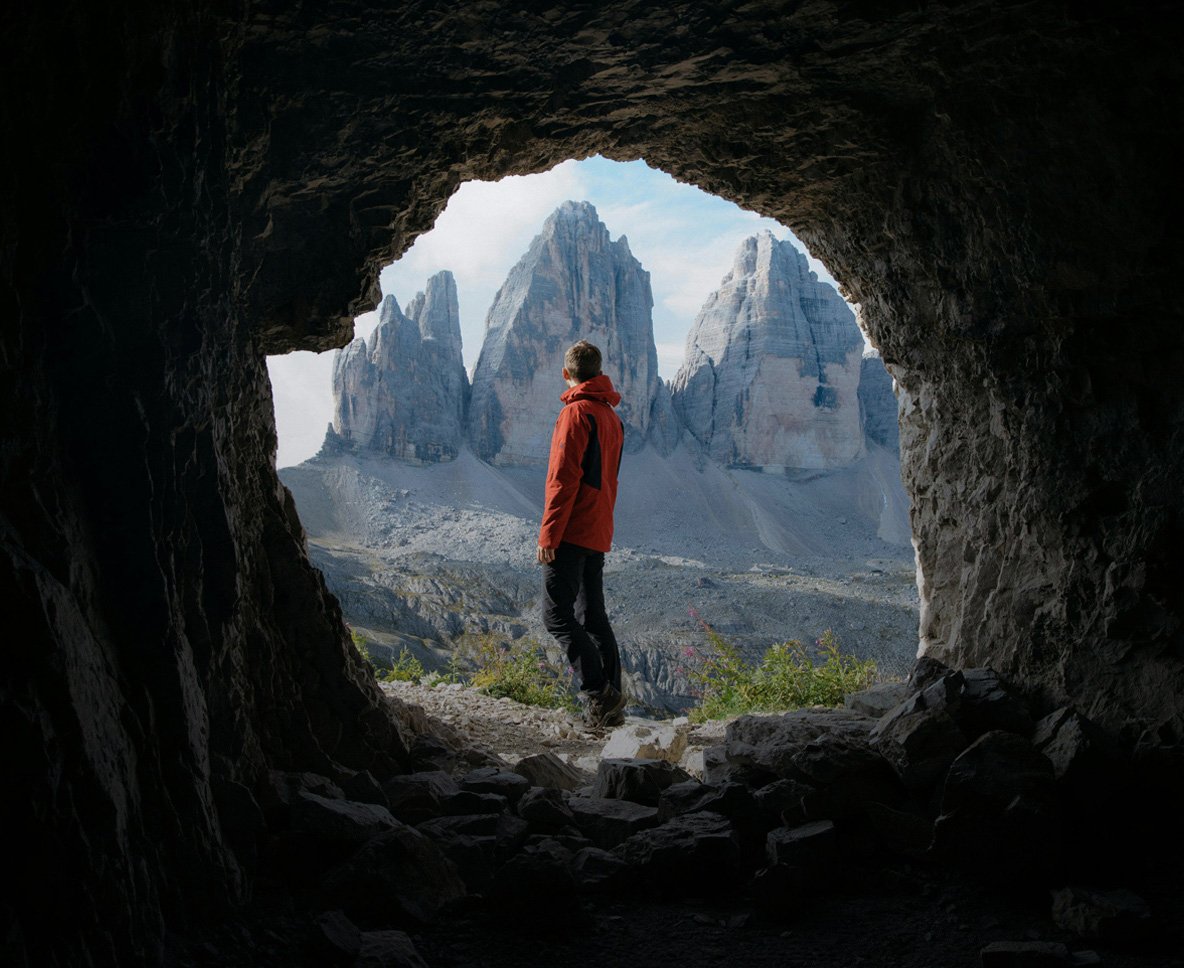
(877, 404)
(574, 283)
(772, 367)
(403, 392)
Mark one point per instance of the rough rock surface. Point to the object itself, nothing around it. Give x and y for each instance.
(403, 392)
(227, 181)
(878, 408)
(773, 362)
(574, 283)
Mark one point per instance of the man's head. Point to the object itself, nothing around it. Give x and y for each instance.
(581, 362)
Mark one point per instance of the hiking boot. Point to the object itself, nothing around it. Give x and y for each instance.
(615, 719)
(602, 706)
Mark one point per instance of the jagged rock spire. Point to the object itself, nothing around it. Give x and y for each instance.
(573, 283)
(403, 393)
(772, 366)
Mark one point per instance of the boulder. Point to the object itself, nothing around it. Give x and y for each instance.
(538, 878)
(732, 800)
(877, 700)
(812, 847)
(641, 781)
(1025, 954)
(548, 770)
(1075, 747)
(492, 779)
(336, 939)
(280, 788)
(845, 774)
(388, 949)
(545, 809)
(782, 802)
(696, 853)
(473, 855)
(596, 869)
(364, 788)
(467, 803)
(1118, 916)
(999, 810)
(652, 741)
(414, 797)
(339, 821)
(400, 874)
(919, 742)
(925, 671)
(762, 746)
(608, 822)
(986, 703)
(429, 753)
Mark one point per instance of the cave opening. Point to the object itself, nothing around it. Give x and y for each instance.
(182, 707)
(817, 550)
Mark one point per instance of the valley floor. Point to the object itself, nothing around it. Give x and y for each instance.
(434, 558)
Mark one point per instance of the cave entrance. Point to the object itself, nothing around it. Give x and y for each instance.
(767, 511)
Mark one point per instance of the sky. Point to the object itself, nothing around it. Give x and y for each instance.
(684, 237)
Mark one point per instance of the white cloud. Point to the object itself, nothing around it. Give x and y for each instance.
(670, 358)
(300, 387)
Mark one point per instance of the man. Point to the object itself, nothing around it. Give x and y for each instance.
(577, 530)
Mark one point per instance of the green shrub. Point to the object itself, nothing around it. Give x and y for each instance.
(786, 678)
(407, 668)
(522, 672)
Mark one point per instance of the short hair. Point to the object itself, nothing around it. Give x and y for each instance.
(582, 361)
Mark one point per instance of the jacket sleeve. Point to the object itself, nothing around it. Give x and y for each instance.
(569, 440)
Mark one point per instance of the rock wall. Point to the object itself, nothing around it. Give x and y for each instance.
(772, 369)
(574, 283)
(226, 181)
(878, 407)
(403, 392)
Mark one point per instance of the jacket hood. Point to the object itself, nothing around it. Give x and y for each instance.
(598, 388)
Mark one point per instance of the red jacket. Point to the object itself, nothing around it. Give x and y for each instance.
(582, 474)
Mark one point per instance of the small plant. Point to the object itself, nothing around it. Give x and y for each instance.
(454, 675)
(522, 672)
(359, 641)
(407, 668)
(787, 677)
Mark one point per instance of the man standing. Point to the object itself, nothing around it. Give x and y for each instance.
(577, 530)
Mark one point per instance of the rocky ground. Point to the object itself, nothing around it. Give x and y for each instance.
(434, 558)
(929, 823)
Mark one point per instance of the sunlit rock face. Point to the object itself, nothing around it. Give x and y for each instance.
(402, 392)
(772, 368)
(574, 283)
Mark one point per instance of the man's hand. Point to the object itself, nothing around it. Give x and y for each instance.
(546, 555)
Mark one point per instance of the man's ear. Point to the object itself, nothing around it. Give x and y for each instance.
(566, 375)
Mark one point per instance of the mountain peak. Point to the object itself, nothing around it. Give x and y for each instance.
(404, 394)
(573, 283)
(772, 369)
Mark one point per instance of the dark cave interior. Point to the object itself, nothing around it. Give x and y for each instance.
(190, 187)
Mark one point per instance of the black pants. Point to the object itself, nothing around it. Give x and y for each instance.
(573, 611)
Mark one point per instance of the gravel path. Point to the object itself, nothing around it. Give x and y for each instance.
(511, 730)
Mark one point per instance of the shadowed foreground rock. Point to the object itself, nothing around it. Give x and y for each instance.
(194, 185)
